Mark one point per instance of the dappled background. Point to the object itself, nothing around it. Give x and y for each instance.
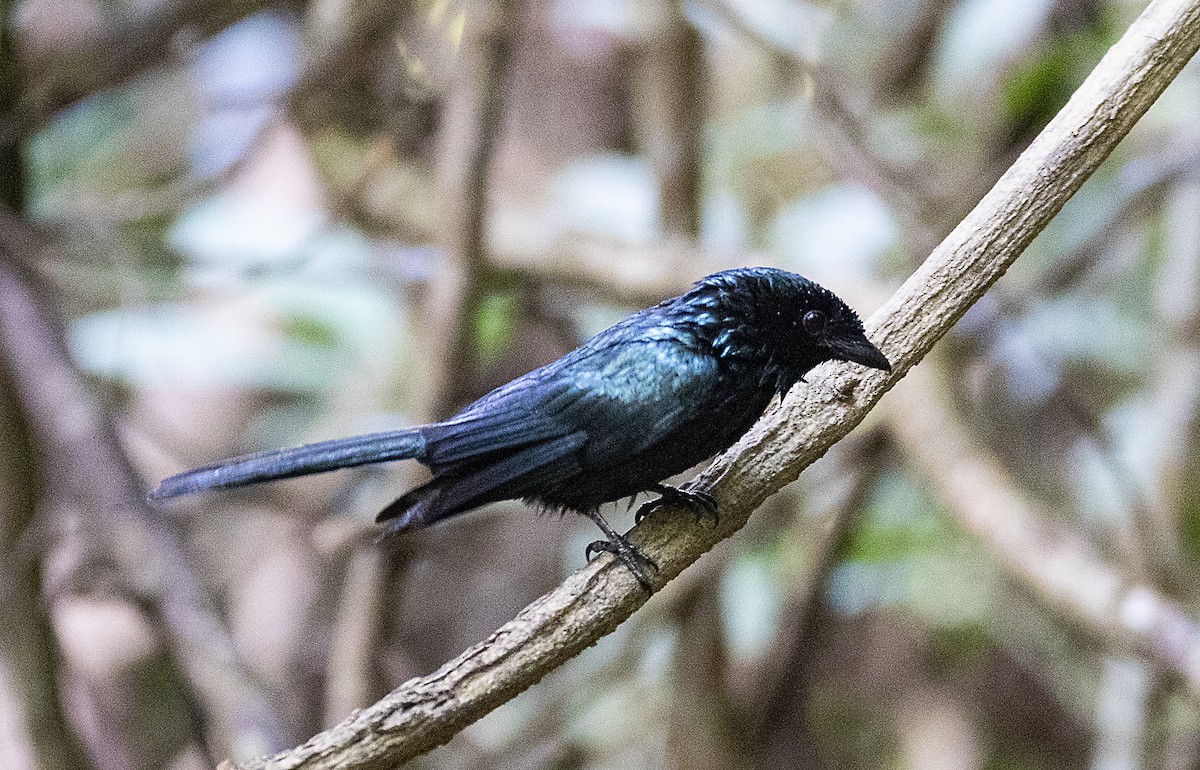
(249, 224)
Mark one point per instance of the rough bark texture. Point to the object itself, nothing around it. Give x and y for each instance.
(427, 711)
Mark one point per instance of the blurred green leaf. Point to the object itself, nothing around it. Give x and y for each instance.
(495, 325)
(66, 147)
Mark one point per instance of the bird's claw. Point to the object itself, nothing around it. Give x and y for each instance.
(701, 504)
(637, 562)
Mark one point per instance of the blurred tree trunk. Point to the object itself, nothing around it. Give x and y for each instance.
(669, 97)
(27, 642)
(471, 122)
(449, 306)
(12, 165)
(702, 733)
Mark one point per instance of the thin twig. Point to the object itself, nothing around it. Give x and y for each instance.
(781, 733)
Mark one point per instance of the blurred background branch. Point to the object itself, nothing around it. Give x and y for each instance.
(1054, 562)
(90, 472)
(37, 732)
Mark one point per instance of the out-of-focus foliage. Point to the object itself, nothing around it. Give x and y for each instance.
(252, 220)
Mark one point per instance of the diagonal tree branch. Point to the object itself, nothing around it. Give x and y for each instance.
(427, 711)
(127, 47)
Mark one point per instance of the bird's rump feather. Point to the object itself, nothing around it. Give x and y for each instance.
(473, 484)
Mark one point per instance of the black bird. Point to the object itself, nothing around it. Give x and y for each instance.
(650, 397)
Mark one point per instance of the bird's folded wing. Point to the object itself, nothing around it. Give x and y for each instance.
(544, 428)
(541, 463)
(625, 397)
(483, 479)
(523, 415)
(643, 392)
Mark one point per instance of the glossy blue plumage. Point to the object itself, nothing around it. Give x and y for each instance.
(650, 397)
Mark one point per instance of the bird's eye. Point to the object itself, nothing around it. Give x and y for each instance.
(814, 322)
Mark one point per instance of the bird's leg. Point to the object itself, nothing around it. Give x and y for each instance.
(701, 504)
(618, 545)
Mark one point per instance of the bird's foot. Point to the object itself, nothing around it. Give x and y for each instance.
(619, 546)
(637, 562)
(701, 504)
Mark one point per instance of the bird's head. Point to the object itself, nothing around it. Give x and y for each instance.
(779, 322)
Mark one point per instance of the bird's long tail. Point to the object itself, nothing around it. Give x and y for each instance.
(298, 461)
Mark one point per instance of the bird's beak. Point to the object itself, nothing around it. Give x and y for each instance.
(859, 350)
